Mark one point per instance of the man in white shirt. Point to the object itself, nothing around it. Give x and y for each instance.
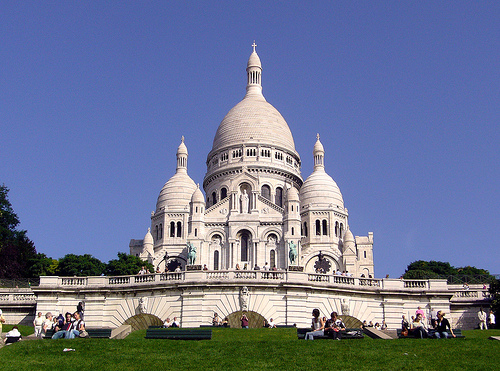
(482, 319)
(12, 336)
(175, 323)
(271, 323)
(38, 323)
(266, 267)
(491, 320)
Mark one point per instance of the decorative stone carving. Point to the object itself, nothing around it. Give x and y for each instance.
(244, 295)
(344, 306)
(223, 211)
(143, 304)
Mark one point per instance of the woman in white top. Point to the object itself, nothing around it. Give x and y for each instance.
(318, 326)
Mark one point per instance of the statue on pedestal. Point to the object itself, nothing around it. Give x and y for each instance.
(191, 253)
(244, 202)
(292, 254)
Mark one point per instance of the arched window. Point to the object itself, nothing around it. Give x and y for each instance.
(341, 229)
(244, 247)
(305, 229)
(179, 229)
(279, 197)
(293, 231)
(318, 227)
(196, 232)
(157, 234)
(325, 229)
(172, 229)
(265, 191)
(223, 193)
(336, 229)
(272, 258)
(216, 260)
(214, 198)
(161, 230)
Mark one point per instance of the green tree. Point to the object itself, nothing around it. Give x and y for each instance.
(42, 265)
(80, 265)
(495, 296)
(16, 249)
(421, 269)
(126, 264)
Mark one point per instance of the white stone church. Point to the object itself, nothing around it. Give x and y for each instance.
(257, 204)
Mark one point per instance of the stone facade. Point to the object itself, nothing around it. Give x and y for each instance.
(257, 205)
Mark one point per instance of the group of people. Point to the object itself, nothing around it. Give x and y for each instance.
(175, 323)
(376, 326)
(486, 321)
(321, 326)
(256, 267)
(440, 326)
(218, 322)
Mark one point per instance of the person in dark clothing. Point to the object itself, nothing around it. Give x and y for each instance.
(442, 326)
(334, 326)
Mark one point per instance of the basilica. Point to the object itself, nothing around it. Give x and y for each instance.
(257, 210)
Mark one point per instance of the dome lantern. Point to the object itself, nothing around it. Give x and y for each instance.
(254, 73)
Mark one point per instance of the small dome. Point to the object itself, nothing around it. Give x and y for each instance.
(320, 189)
(318, 147)
(197, 195)
(254, 60)
(148, 238)
(182, 149)
(348, 236)
(176, 193)
(293, 194)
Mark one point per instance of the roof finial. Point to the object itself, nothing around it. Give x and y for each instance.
(317, 136)
(182, 139)
(254, 45)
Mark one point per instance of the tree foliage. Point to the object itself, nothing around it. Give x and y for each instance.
(80, 265)
(126, 264)
(16, 249)
(495, 296)
(421, 269)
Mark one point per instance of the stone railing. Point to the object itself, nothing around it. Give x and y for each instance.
(17, 298)
(470, 295)
(238, 277)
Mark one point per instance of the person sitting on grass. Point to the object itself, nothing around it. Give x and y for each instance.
(78, 326)
(271, 323)
(216, 320)
(12, 336)
(442, 325)
(317, 326)
(225, 323)
(175, 323)
(167, 323)
(333, 327)
(418, 328)
(65, 331)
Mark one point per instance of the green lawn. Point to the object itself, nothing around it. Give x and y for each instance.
(255, 349)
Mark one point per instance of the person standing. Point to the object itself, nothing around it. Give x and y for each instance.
(2, 321)
(482, 319)
(38, 324)
(491, 320)
(244, 321)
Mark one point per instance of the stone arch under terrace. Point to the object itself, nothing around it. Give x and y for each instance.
(143, 321)
(255, 320)
(350, 321)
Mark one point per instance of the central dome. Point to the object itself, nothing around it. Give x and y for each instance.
(254, 120)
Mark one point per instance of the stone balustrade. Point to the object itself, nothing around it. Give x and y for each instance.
(17, 297)
(233, 276)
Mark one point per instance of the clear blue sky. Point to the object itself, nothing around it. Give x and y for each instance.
(95, 96)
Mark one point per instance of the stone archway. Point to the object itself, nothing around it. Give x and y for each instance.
(255, 320)
(350, 321)
(143, 321)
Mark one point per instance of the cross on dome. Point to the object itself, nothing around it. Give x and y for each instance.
(254, 45)
(317, 136)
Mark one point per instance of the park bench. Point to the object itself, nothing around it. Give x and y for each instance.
(456, 331)
(179, 334)
(95, 333)
(212, 326)
(348, 333)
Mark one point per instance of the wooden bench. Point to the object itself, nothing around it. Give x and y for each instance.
(348, 333)
(456, 331)
(95, 333)
(179, 334)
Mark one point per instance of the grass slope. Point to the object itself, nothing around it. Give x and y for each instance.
(255, 349)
